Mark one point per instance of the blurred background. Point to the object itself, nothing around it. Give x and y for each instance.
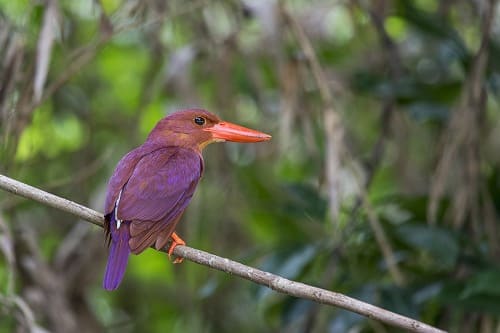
(382, 180)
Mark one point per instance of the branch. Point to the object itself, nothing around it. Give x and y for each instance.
(275, 282)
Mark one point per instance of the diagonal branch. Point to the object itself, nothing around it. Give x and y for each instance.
(275, 282)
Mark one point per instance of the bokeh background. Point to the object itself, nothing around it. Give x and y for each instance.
(382, 180)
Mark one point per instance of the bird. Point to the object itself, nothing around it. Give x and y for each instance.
(153, 184)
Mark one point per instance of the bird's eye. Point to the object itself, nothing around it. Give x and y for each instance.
(199, 121)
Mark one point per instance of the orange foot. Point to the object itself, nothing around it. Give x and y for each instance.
(176, 240)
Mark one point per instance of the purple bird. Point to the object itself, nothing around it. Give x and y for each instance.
(153, 184)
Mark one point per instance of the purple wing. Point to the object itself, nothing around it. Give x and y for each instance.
(122, 174)
(157, 192)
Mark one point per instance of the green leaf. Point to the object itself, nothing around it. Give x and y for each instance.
(483, 283)
(305, 200)
(440, 244)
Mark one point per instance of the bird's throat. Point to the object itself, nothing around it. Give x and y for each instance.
(203, 144)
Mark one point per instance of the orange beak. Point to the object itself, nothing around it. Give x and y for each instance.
(225, 131)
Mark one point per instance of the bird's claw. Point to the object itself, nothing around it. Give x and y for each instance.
(176, 240)
(178, 260)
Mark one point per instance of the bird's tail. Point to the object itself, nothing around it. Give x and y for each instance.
(118, 254)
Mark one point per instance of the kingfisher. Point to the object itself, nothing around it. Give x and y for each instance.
(153, 184)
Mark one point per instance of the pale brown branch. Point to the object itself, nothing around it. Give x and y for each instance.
(77, 177)
(275, 282)
(33, 193)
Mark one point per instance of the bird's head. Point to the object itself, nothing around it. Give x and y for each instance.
(198, 128)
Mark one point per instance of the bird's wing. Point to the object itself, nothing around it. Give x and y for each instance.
(122, 174)
(161, 185)
(157, 193)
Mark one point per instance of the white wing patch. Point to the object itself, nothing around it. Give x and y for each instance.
(118, 221)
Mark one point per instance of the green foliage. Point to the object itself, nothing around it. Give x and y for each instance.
(50, 136)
